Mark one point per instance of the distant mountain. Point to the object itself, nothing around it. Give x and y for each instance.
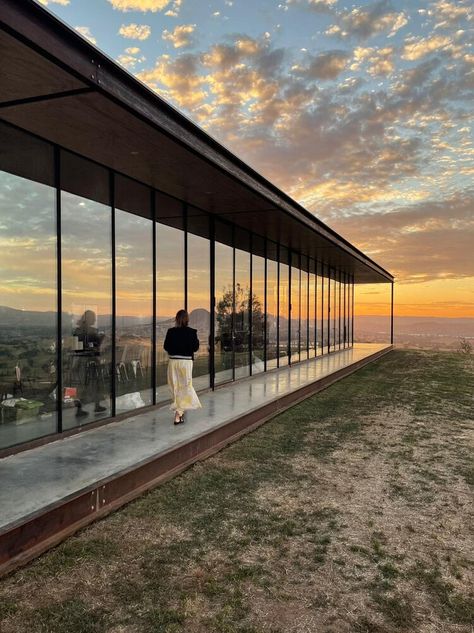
(10, 317)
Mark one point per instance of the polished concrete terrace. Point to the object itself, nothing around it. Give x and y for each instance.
(39, 480)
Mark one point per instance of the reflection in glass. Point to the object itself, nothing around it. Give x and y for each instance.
(258, 314)
(87, 307)
(304, 315)
(28, 311)
(283, 316)
(344, 306)
(333, 311)
(169, 294)
(199, 303)
(272, 314)
(295, 311)
(312, 314)
(321, 306)
(242, 314)
(134, 310)
(224, 293)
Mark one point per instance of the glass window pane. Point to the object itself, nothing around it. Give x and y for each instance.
(304, 316)
(283, 320)
(199, 298)
(169, 295)
(242, 314)
(224, 294)
(258, 314)
(86, 239)
(320, 307)
(272, 314)
(28, 331)
(312, 315)
(295, 310)
(134, 297)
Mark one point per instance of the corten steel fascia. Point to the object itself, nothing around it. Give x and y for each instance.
(61, 44)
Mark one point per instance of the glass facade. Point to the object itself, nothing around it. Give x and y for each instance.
(133, 295)
(103, 263)
(272, 306)
(86, 262)
(283, 308)
(198, 298)
(258, 312)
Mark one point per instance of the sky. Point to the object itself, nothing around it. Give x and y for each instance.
(361, 112)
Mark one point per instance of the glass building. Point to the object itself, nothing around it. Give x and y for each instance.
(115, 212)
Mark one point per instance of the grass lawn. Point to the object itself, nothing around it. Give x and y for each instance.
(351, 512)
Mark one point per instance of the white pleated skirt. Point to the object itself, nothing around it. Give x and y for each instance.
(180, 382)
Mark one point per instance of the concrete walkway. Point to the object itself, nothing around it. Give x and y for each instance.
(35, 480)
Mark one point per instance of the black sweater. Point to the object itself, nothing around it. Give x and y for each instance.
(181, 341)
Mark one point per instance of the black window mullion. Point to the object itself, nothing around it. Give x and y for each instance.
(288, 351)
(114, 296)
(233, 303)
(213, 303)
(185, 227)
(59, 298)
(265, 307)
(251, 307)
(329, 310)
(278, 306)
(153, 332)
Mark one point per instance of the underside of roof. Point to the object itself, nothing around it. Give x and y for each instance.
(58, 86)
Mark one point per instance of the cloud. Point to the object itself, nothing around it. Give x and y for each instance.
(86, 32)
(365, 21)
(379, 61)
(135, 31)
(416, 48)
(181, 36)
(177, 80)
(319, 6)
(451, 13)
(174, 11)
(328, 65)
(140, 5)
(130, 58)
(62, 2)
(424, 241)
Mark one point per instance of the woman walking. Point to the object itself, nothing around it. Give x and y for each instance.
(181, 342)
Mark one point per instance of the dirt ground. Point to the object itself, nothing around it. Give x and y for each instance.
(349, 513)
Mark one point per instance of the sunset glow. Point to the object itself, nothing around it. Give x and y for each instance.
(362, 113)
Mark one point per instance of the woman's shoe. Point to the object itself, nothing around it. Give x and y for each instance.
(177, 420)
(181, 419)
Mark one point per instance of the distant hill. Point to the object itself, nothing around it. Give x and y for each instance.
(418, 325)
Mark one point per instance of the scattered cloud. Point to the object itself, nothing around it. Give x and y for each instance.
(62, 2)
(428, 240)
(130, 58)
(140, 5)
(181, 36)
(173, 12)
(320, 6)
(328, 65)
(450, 13)
(86, 32)
(379, 61)
(135, 31)
(365, 21)
(418, 47)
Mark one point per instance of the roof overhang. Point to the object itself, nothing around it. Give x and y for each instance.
(63, 89)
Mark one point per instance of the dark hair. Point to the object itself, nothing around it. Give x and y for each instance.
(182, 318)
